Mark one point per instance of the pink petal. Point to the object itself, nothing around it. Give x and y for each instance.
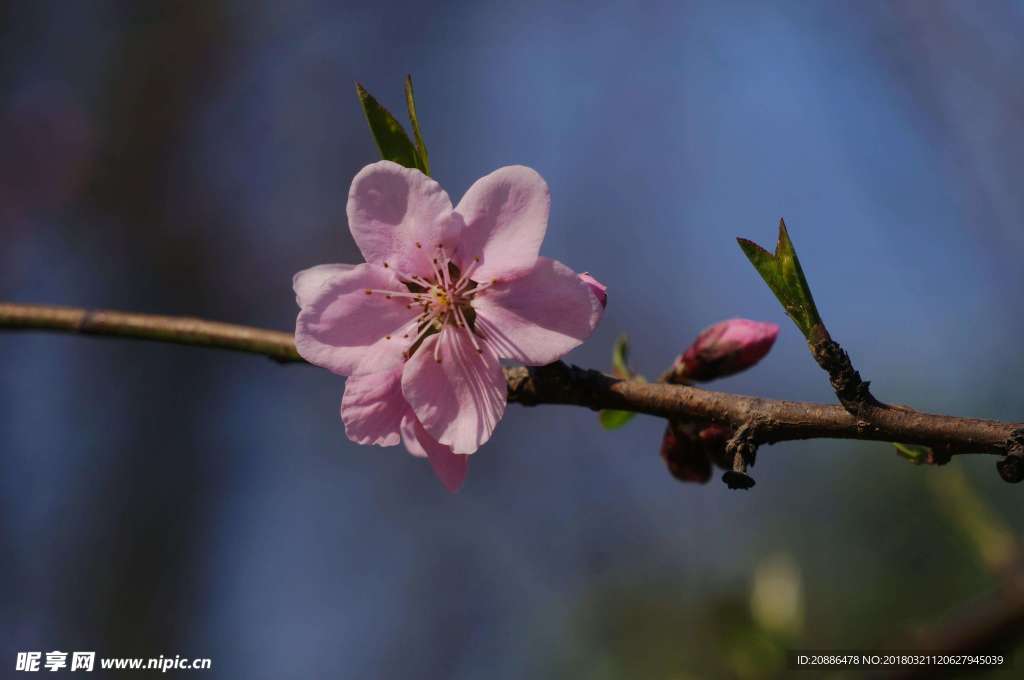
(388, 353)
(537, 318)
(399, 216)
(307, 282)
(373, 407)
(342, 323)
(596, 287)
(506, 216)
(449, 467)
(410, 437)
(460, 399)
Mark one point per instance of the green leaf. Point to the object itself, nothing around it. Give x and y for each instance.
(915, 453)
(389, 134)
(782, 272)
(613, 420)
(421, 148)
(620, 358)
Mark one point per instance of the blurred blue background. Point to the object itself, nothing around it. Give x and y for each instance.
(188, 158)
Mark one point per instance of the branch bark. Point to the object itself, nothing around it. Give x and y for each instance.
(765, 421)
(178, 330)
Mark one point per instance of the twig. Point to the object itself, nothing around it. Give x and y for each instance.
(174, 329)
(783, 274)
(558, 383)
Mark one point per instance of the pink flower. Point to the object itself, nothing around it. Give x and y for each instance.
(444, 294)
(726, 348)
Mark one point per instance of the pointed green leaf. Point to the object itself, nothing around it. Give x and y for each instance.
(793, 275)
(620, 358)
(915, 453)
(613, 420)
(782, 272)
(391, 138)
(421, 148)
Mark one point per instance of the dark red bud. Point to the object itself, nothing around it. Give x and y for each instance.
(684, 454)
(714, 438)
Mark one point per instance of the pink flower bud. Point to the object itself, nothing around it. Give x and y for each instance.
(726, 348)
(596, 287)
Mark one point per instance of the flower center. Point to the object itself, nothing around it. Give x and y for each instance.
(442, 298)
(445, 299)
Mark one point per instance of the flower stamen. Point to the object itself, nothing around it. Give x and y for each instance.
(469, 331)
(394, 293)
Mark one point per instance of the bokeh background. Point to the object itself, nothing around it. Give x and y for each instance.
(189, 157)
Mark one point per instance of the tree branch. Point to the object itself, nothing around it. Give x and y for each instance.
(174, 329)
(765, 421)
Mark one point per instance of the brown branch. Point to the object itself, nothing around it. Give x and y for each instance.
(853, 391)
(767, 420)
(174, 329)
(764, 421)
(856, 397)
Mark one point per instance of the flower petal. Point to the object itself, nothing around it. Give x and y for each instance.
(450, 468)
(537, 318)
(342, 323)
(596, 287)
(506, 216)
(460, 399)
(398, 216)
(373, 407)
(409, 434)
(307, 282)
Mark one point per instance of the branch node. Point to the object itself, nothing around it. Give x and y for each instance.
(85, 321)
(854, 392)
(1011, 467)
(743, 448)
(941, 455)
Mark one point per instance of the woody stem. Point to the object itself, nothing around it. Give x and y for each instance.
(561, 384)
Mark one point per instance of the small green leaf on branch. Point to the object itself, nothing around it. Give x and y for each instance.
(620, 358)
(611, 419)
(915, 453)
(782, 272)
